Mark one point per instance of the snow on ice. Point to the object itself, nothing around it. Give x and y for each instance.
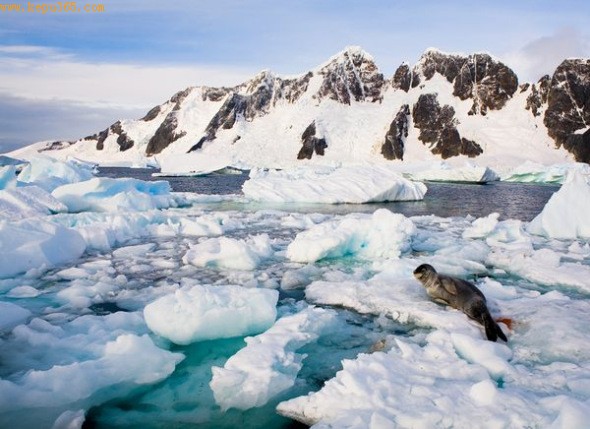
(200, 313)
(329, 185)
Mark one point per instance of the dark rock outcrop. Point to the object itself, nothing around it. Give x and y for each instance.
(123, 140)
(438, 129)
(568, 107)
(351, 76)
(402, 78)
(393, 147)
(538, 96)
(311, 143)
(489, 83)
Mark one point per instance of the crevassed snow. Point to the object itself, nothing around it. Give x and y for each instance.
(106, 194)
(362, 184)
(567, 213)
(200, 313)
(381, 235)
(269, 363)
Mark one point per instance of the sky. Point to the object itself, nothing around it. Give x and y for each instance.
(65, 75)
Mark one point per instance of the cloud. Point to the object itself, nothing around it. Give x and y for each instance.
(542, 55)
(24, 121)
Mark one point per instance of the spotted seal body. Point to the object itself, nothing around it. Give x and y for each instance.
(459, 294)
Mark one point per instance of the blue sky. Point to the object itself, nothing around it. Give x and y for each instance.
(63, 76)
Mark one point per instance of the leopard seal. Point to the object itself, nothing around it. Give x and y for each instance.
(459, 294)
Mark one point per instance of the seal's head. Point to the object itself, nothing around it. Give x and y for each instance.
(424, 271)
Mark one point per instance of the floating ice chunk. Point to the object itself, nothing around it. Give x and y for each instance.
(28, 201)
(49, 173)
(12, 315)
(482, 227)
(468, 173)
(381, 235)
(23, 292)
(33, 244)
(299, 278)
(190, 164)
(208, 312)
(106, 194)
(8, 177)
(565, 215)
(268, 364)
(230, 253)
(66, 384)
(360, 184)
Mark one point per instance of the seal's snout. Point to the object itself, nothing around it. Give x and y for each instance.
(422, 270)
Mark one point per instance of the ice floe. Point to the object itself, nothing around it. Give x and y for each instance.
(49, 173)
(269, 363)
(204, 312)
(531, 172)
(332, 185)
(28, 201)
(190, 164)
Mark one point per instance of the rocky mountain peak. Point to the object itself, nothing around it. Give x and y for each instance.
(479, 77)
(351, 75)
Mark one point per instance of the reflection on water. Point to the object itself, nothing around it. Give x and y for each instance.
(510, 200)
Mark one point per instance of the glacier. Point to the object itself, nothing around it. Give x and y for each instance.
(184, 310)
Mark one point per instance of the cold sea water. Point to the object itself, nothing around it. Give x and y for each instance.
(522, 201)
(184, 399)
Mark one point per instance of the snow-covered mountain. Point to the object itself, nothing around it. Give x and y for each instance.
(446, 106)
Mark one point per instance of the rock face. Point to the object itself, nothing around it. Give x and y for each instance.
(489, 83)
(402, 78)
(311, 143)
(538, 96)
(123, 140)
(568, 108)
(438, 130)
(393, 147)
(351, 76)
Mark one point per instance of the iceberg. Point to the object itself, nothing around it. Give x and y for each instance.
(200, 313)
(113, 195)
(190, 164)
(531, 172)
(446, 173)
(566, 214)
(269, 364)
(332, 185)
(7, 177)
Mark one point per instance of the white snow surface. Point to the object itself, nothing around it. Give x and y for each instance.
(28, 201)
(332, 185)
(269, 363)
(567, 213)
(200, 313)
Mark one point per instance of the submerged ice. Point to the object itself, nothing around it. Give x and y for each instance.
(122, 303)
